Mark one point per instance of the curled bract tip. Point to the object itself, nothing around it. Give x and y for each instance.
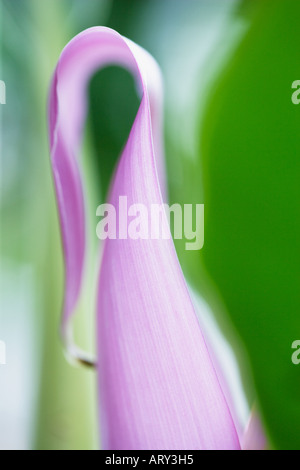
(158, 388)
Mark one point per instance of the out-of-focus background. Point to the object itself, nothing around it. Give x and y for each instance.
(232, 143)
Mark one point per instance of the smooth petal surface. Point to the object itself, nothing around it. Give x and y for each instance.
(157, 386)
(254, 437)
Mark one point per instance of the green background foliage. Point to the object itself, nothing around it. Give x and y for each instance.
(231, 134)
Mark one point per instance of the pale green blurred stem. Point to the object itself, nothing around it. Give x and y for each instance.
(66, 414)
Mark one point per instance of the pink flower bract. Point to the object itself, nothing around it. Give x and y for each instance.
(157, 385)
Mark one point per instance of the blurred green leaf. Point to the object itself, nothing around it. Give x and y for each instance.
(251, 172)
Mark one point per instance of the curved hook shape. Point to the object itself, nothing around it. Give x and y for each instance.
(158, 388)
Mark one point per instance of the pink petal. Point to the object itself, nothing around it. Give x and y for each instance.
(157, 386)
(254, 436)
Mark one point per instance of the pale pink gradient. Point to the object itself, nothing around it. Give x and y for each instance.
(157, 386)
